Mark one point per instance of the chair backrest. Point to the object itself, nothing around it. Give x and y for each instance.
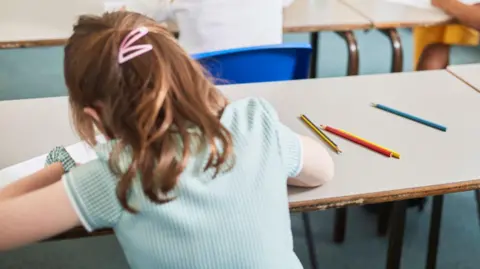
(258, 64)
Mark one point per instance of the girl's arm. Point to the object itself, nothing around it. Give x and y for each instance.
(40, 179)
(316, 165)
(36, 216)
(305, 160)
(466, 14)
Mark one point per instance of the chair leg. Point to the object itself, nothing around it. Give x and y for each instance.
(340, 225)
(310, 241)
(397, 50)
(314, 41)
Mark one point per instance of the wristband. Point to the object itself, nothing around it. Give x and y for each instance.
(60, 155)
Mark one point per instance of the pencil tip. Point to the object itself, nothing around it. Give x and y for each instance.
(373, 104)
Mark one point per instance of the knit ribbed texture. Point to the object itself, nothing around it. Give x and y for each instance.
(60, 155)
(240, 219)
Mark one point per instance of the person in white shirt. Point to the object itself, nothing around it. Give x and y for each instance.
(210, 25)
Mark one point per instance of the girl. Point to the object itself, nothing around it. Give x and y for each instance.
(210, 25)
(186, 180)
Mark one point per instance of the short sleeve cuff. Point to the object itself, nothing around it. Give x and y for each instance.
(76, 207)
(299, 158)
(91, 188)
(292, 150)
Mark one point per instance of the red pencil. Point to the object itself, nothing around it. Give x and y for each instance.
(358, 141)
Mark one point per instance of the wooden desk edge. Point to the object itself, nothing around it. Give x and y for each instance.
(385, 196)
(32, 43)
(332, 27)
(389, 25)
(453, 73)
(329, 203)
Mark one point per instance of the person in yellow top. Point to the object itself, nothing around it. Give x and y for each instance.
(432, 44)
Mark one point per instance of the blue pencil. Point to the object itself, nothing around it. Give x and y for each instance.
(410, 117)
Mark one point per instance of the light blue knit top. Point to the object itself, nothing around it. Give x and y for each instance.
(240, 219)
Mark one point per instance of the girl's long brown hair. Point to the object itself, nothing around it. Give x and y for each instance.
(146, 104)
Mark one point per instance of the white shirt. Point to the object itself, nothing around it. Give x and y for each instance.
(210, 25)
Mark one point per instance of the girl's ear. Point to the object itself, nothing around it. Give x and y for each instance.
(92, 113)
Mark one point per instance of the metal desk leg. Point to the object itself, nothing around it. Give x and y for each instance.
(477, 199)
(397, 228)
(383, 219)
(353, 58)
(340, 225)
(434, 235)
(310, 241)
(313, 63)
(397, 52)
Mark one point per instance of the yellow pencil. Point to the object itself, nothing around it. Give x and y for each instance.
(321, 134)
(394, 154)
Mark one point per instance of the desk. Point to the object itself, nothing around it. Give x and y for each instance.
(325, 101)
(326, 15)
(387, 16)
(469, 73)
(432, 162)
(345, 103)
(361, 176)
(25, 23)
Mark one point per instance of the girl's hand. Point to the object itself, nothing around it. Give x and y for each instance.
(60, 155)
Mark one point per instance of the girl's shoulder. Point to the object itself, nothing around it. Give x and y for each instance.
(251, 107)
(250, 115)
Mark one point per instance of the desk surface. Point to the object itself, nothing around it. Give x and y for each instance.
(469, 73)
(324, 15)
(29, 23)
(430, 158)
(385, 14)
(432, 162)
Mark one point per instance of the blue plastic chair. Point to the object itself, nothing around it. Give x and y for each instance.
(257, 64)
